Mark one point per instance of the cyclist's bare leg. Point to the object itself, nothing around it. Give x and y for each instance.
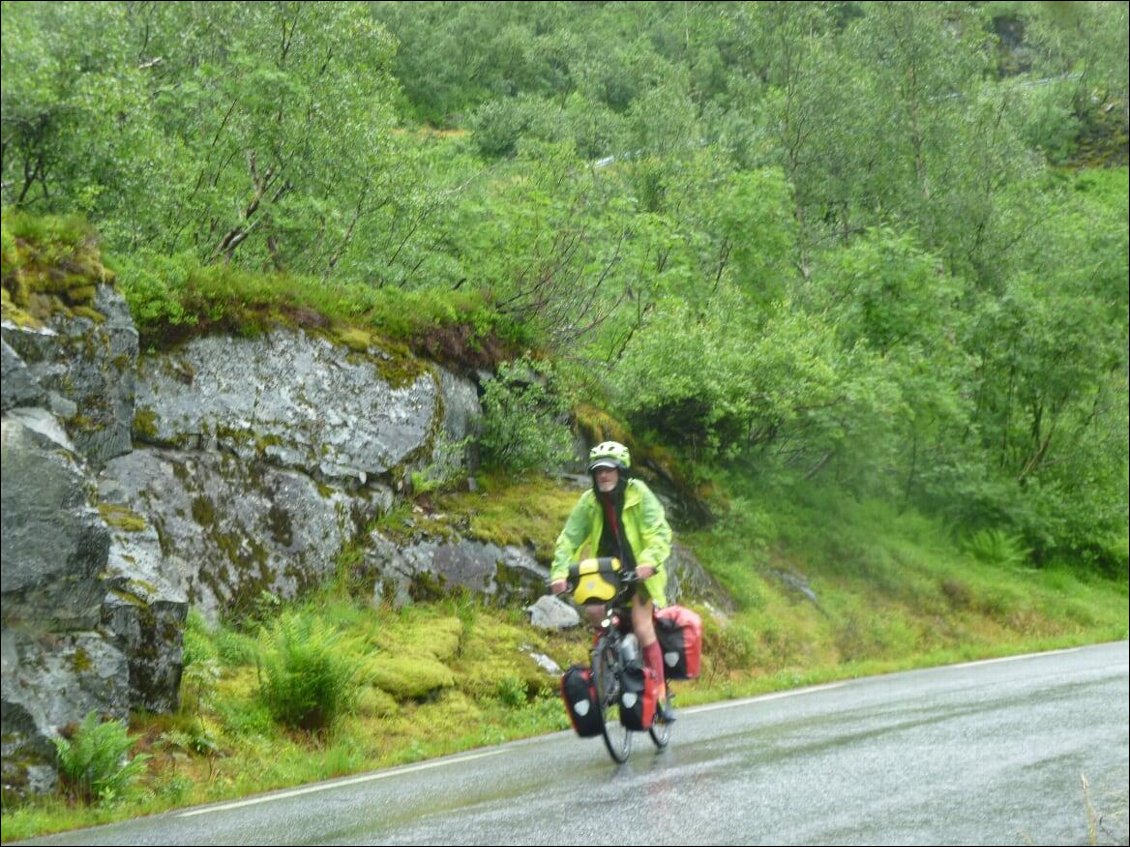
(643, 624)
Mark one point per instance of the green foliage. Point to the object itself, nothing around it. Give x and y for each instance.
(48, 239)
(749, 238)
(201, 665)
(253, 721)
(512, 691)
(499, 125)
(79, 134)
(172, 298)
(997, 547)
(195, 738)
(308, 672)
(154, 286)
(235, 648)
(461, 327)
(93, 764)
(523, 425)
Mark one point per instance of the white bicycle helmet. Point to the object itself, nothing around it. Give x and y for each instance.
(609, 454)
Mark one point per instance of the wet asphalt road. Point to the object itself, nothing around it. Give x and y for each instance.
(1027, 750)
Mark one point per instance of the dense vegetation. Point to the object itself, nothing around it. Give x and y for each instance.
(838, 268)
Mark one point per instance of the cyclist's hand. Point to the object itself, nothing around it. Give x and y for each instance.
(557, 587)
(644, 571)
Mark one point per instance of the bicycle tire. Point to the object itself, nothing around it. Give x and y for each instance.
(605, 670)
(660, 730)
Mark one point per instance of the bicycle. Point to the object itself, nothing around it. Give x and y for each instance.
(602, 583)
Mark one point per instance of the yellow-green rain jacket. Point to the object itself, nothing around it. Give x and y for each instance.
(645, 526)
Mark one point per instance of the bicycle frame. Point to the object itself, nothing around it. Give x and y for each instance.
(606, 664)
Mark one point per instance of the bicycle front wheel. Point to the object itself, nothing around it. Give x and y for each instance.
(617, 737)
(660, 730)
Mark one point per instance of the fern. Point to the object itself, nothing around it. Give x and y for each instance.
(995, 546)
(92, 763)
(307, 673)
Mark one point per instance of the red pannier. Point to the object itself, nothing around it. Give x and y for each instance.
(680, 638)
(639, 689)
(579, 694)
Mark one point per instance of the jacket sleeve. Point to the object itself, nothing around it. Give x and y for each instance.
(654, 530)
(572, 538)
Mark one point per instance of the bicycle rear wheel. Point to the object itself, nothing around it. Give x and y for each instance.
(617, 737)
(660, 730)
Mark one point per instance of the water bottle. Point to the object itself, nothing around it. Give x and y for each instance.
(629, 649)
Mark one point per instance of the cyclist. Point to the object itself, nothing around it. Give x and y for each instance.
(620, 516)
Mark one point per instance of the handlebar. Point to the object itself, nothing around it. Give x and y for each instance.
(606, 566)
(626, 576)
(603, 581)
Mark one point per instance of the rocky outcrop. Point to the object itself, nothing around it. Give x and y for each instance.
(20, 387)
(144, 609)
(294, 400)
(428, 569)
(54, 543)
(210, 476)
(52, 680)
(55, 665)
(230, 530)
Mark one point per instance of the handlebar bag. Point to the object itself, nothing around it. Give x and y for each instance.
(680, 638)
(598, 580)
(579, 694)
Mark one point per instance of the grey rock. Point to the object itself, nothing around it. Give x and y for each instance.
(545, 663)
(293, 400)
(88, 367)
(144, 610)
(50, 681)
(552, 613)
(427, 569)
(18, 387)
(229, 530)
(54, 543)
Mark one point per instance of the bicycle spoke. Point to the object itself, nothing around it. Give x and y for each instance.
(660, 731)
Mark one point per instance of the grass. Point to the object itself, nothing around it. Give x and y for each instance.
(890, 594)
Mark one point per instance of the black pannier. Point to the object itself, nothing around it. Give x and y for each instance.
(579, 694)
(638, 689)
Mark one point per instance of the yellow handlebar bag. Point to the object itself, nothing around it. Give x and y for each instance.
(598, 580)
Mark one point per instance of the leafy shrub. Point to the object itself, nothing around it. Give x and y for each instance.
(197, 737)
(522, 420)
(241, 719)
(308, 673)
(92, 761)
(154, 288)
(499, 124)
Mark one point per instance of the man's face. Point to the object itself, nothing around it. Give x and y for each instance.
(606, 479)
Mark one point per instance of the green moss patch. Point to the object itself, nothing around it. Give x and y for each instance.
(410, 677)
(122, 517)
(49, 266)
